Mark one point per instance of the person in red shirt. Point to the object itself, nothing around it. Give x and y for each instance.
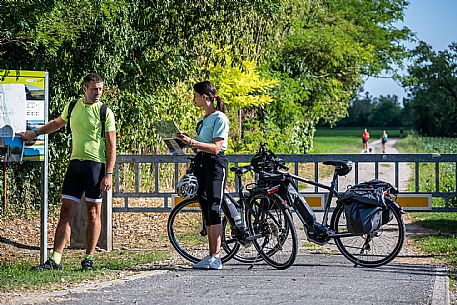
(365, 137)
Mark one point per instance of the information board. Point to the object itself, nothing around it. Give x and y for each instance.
(23, 106)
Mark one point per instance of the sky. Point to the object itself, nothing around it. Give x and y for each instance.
(433, 21)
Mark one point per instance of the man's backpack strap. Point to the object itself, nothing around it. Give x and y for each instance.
(70, 109)
(103, 111)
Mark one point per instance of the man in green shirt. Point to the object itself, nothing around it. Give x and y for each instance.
(90, 170)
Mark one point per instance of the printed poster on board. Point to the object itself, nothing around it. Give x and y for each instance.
(22, 107)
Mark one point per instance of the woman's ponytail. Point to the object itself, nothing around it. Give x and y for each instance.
(220, 105)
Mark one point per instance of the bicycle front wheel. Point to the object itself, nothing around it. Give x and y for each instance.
(272, 228)
(187, 233)
(374, 249)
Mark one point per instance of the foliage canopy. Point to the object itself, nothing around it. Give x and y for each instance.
(282, 65)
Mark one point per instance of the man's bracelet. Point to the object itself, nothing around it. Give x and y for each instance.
(108, 173)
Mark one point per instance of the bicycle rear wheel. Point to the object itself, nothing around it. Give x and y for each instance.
(374, 249)
(188, 235)
(271, 223)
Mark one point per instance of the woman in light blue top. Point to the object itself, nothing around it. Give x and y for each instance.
(211, 166)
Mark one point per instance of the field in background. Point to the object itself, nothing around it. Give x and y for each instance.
(347, 139)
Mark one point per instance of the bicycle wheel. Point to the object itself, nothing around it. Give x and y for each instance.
(374, 249)
(188, 235)
(271, 223)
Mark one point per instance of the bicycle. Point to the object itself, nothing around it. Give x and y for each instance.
(274, 228)
(373, 249)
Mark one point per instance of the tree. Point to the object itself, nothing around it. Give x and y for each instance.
(386, 112)
(432, 84)
(358, 112)
(150, 53)
(369, 111)
(325, 48)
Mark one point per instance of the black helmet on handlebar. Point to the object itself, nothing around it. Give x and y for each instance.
(265, 160)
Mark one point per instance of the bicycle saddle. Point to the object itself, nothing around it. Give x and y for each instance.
(241, 169)
(338, 163)
(342, 167)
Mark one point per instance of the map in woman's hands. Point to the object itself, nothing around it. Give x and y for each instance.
(168, 131)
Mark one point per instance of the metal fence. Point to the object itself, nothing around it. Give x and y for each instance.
(388, 167)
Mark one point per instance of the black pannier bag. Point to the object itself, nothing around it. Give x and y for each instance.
(387, 214)
(365, 207)
(362, 218)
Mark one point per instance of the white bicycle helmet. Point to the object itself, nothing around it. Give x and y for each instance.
(188, 186)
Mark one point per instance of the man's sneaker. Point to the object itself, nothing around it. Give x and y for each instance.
(49, 265)
(215, 263)
(203, 264)
(87, 264)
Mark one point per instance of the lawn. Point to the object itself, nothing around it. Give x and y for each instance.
(18, 275)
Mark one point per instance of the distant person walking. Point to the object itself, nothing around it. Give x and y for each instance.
(365, 137)
(384, 140)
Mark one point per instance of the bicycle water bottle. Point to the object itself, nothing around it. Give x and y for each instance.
(234, 214)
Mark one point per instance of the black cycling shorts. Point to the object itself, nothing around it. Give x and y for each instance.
(211, 173)
(83, 176)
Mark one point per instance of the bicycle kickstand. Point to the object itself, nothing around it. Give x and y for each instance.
(258, 254)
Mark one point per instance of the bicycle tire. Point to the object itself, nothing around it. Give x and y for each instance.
(187, 234)
(268, 218)
(374, 249)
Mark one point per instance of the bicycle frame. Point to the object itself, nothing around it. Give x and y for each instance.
(330, 188)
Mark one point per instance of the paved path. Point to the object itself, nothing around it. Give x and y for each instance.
(314, 279)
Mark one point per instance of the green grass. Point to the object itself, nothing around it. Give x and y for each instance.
(442, 245)
(336, 144)
(19, 275)
(445, 222)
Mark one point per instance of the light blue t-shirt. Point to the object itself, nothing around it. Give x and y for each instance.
(215, 125)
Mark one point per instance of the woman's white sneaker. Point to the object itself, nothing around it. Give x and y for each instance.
(215, 263)
(204, 263)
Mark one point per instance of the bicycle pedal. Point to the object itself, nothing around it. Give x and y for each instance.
(253, 237)
(245, 243)
(331, 233)
(317, 241)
